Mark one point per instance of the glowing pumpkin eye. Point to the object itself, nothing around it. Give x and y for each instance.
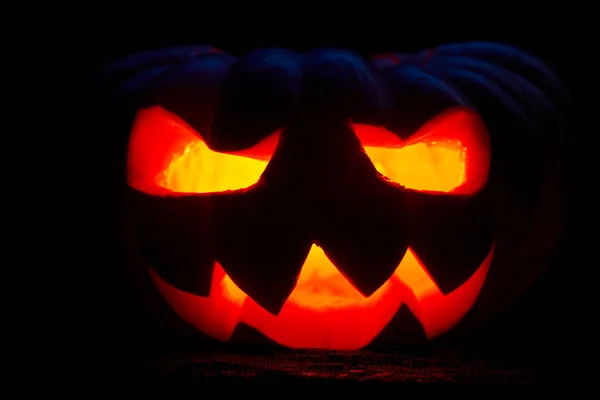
(450, 153)
(167, 155)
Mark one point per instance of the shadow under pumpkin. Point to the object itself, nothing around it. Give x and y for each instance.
(184, 193)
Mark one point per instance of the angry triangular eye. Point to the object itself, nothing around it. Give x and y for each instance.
(167, 155)
(449, 154)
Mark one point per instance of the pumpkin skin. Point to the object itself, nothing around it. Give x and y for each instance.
(329, 201)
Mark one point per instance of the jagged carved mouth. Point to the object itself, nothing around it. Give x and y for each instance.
(199, 204)
(324, 307)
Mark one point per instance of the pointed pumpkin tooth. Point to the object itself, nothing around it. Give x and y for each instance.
(451, 234)
(261, 244)
(404, 329)
(174, 236)
(265, 268)
(365, 235)
(245, 335)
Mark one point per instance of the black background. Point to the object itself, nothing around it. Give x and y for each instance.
(57, 301)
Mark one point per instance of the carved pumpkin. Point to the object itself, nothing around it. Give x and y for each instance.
(329, 201)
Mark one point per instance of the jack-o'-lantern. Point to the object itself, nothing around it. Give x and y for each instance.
(330, 201)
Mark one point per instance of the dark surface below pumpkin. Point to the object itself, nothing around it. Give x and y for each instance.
(345, 368)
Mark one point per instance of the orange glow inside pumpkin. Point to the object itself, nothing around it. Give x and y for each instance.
(444, 171)
(324, 310)
(448, 154)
